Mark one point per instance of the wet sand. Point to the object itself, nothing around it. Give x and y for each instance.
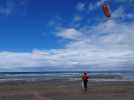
(67, 90)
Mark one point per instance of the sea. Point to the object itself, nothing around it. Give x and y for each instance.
(66, 75)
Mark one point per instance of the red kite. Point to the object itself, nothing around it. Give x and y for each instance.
(106, 10)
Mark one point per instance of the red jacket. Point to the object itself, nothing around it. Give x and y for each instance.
(85, 77)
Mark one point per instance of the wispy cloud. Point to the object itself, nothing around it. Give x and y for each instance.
(92, 6)
(7, 8)
(70, 33)
(80, 6)
(121, 13)
(10, 7)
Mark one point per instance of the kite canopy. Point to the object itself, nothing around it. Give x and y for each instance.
(106, 10)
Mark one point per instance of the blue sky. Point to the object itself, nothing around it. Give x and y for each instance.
(66, 35)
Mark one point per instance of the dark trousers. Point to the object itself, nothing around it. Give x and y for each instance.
(85, 84)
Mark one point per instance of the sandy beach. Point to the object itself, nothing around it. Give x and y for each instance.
(67, 90)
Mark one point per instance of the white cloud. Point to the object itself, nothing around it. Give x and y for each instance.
(110, 45)
(112, 32)
(80, 6)
(121, 13)
(6, 10)
(125, 1)
(99, 3)
(10, 7)
(92, 6)
(77, 18)
(70, 33)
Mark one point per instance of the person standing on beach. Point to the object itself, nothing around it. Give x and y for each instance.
(85, 80)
